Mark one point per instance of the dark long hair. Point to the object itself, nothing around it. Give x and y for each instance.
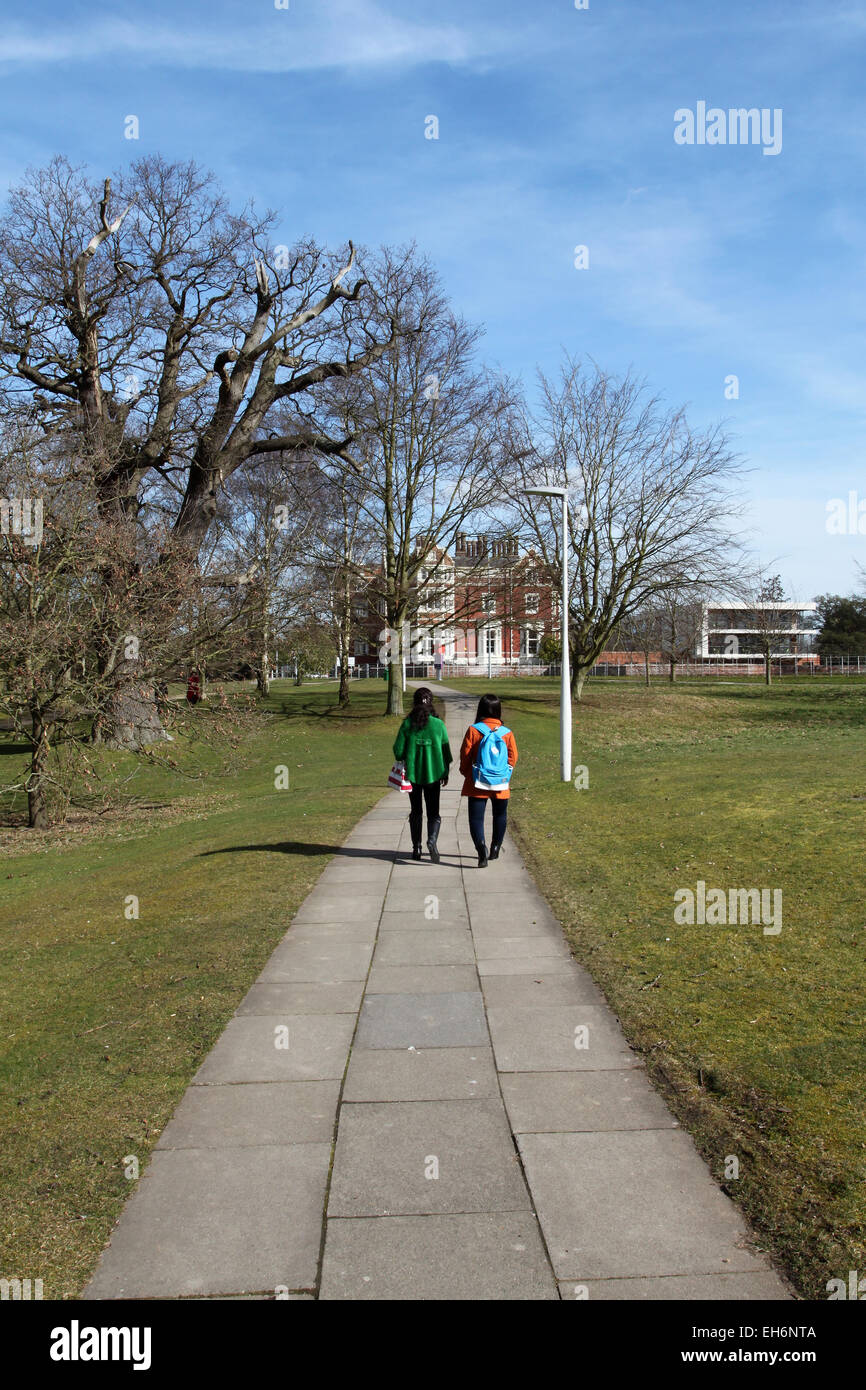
(422, 707)
(489, 707)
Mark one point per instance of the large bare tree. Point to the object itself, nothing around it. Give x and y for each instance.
(425, 418)
(164, 331)
(651, 500)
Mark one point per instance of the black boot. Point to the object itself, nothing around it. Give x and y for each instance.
(432, 837)
(415, 823)
(496, 850)
(482, 856)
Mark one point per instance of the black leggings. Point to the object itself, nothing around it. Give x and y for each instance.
(431, 800)
(499, 807)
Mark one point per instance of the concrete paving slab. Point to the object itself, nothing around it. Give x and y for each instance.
(511, 913)
(300, 961)
(514, 946)
(447, 1073)
(425, 948)
(272, 1112)
(448, 920)
(384, 1152)
(637, 1202)
(540, 991)
(479, 1257)
(523, 965)
(422, 1020)
(197, 1224)
(421, 979)
(309, 997)
(438, 877)
(337, 907)
(567, 1101)
(410, 897)
(736, 1288)
(366, 873)
(319, 931)
(318, 1045)
(491, 932)
(548, 1039)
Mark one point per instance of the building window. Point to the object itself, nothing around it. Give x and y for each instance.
(491, 636)
(530, 642)
(531, 603)
(362, 648)
(489, 603)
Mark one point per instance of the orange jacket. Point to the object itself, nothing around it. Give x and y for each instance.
(467, 760)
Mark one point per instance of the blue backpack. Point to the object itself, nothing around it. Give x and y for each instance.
(492, 769)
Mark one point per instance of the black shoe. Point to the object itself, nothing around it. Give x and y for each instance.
(416, 851)
(495, 851)
(432, 837)
(482, 857)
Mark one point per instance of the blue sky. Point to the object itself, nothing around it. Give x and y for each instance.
(555, 129)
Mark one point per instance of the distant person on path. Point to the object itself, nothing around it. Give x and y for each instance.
(486, 761)
(422, 744)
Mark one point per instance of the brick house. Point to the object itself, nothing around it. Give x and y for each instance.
(484, 601)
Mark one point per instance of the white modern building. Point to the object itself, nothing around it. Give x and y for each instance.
(731, 631)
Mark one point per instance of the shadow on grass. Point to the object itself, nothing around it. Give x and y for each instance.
(311, 850)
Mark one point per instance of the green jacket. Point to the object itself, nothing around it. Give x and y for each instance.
(425, 752)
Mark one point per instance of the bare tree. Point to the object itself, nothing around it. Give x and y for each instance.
(163, 331)
(62, 587)
(681, 620)
(342, 567)
(768, 615)
(425, 419)
(268, 518)
(641, 630)
(650, 499)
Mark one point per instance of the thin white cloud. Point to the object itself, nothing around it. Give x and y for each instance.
(345, 33)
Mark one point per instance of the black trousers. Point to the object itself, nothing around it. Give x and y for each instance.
(430, 794)
(499, 807)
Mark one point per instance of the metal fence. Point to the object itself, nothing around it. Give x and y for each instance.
(708, 666)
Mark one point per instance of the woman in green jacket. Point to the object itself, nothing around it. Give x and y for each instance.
(422, 744)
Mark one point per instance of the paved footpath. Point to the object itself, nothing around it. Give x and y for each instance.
(398, 1110)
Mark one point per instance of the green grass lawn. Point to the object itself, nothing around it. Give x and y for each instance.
(759, 1042)
(105, 1019)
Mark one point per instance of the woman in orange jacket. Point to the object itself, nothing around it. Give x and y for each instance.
(489, 712)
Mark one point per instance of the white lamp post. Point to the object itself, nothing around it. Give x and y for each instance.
(565, 681)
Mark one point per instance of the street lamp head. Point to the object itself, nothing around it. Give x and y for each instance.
(545, 492)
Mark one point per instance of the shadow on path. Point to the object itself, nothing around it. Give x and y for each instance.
(304, 847)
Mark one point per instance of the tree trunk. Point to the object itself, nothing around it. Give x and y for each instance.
(344, 698)
(394, 704)
(395, 687)
(578, 681)
(263, 673)
(768, 671)
(132, 720)
(673, 670)
(646, 668)
(37, 804)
